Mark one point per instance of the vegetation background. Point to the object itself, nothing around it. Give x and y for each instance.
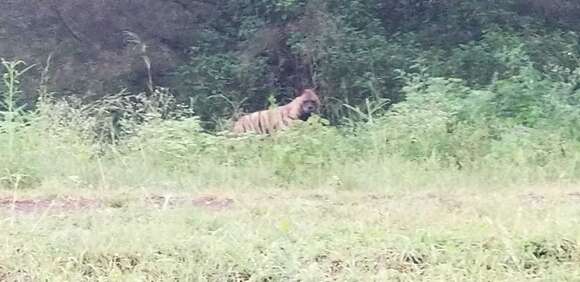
(437, 115)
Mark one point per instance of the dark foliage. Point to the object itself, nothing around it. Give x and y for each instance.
(231, 55)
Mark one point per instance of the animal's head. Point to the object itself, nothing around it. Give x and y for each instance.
(308, 103)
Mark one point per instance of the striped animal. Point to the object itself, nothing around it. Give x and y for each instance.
(268, 121)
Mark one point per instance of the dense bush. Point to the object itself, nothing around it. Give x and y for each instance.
(523, 127)
(228, 56)
(355, 51)
(459, 85)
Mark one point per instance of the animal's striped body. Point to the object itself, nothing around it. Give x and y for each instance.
(268, 121)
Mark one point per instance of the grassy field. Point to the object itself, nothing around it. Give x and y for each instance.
(440, 188)
(432, 233)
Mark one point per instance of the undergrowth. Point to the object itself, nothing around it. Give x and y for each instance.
(521, 129)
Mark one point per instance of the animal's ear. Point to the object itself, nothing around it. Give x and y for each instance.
(297, 91)
(315, 88)
(301, 90)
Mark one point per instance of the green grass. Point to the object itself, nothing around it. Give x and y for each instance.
(440, 188)
(438, 234)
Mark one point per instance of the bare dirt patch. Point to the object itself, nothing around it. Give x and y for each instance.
(52, 205)
(65, 204)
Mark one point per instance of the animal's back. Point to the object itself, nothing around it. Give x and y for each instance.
(262, 122)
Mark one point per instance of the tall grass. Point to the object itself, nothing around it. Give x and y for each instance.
(444, 133)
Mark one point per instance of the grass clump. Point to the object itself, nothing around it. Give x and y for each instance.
(520, 129)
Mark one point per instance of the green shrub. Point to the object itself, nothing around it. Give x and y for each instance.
(521, 128)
